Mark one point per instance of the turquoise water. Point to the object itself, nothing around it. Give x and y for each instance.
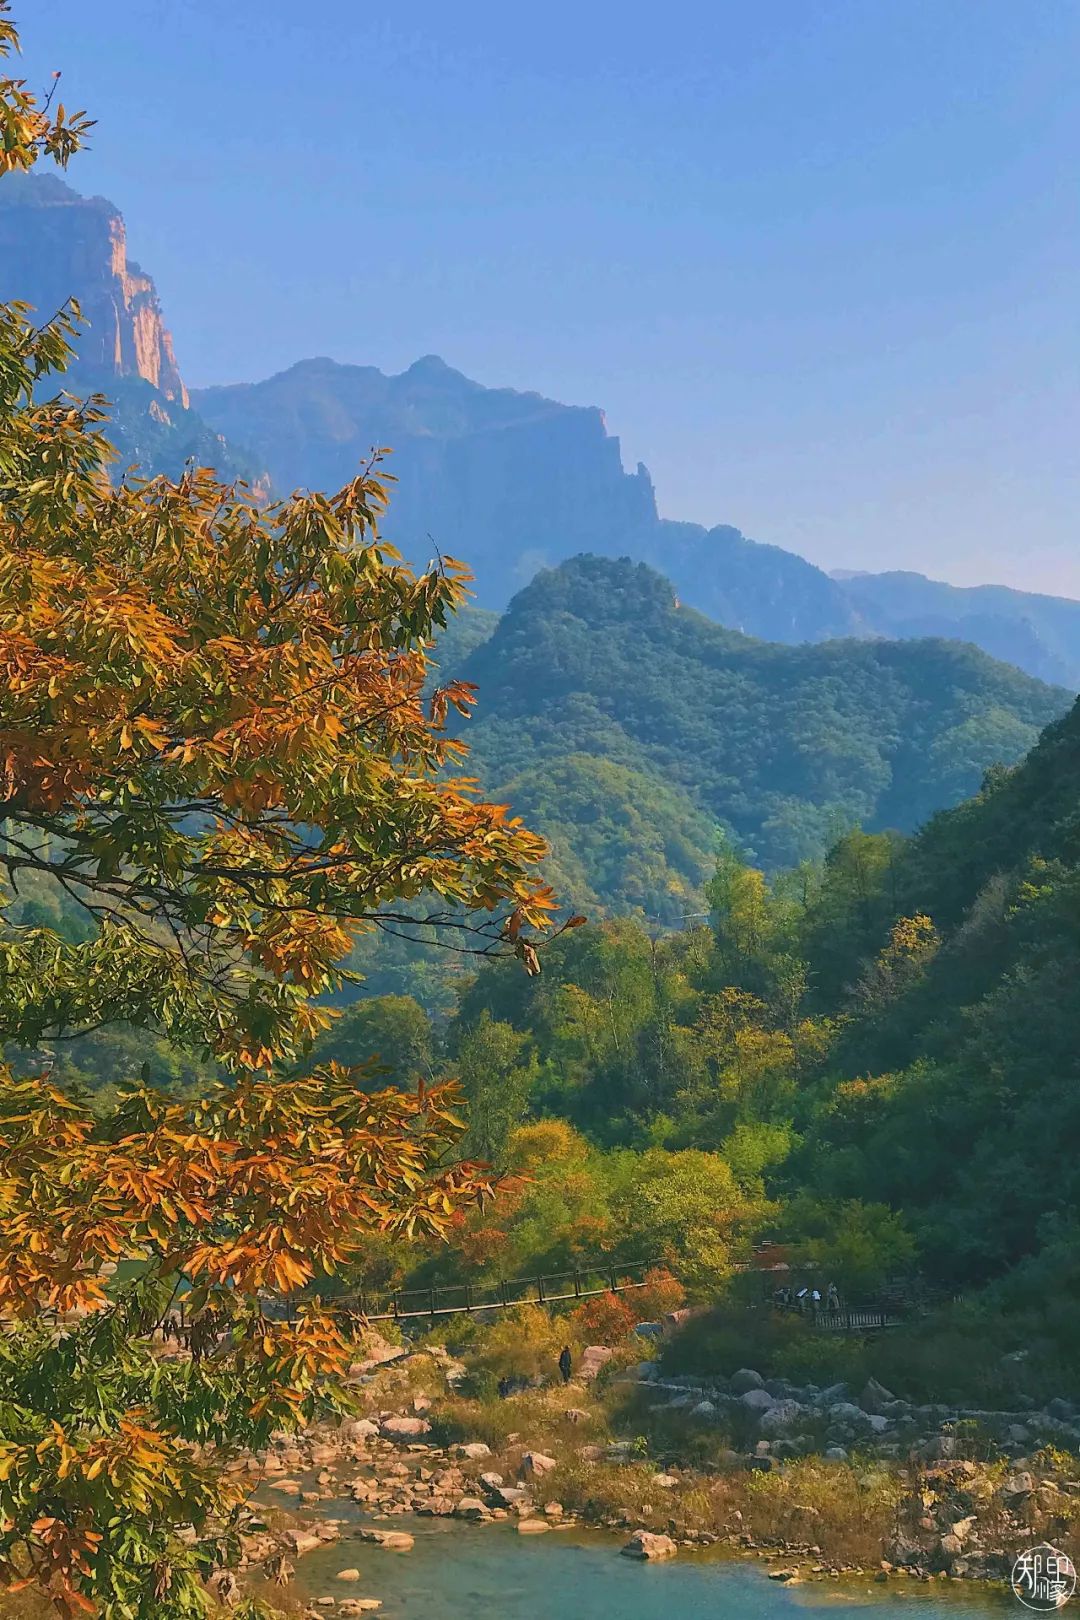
(489, 1572)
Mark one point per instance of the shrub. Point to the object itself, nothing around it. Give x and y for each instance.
(522, 1343)
(604, 1320)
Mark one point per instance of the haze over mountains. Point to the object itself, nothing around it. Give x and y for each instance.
(509, 481)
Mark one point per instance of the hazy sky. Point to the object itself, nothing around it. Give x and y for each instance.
(819, 260)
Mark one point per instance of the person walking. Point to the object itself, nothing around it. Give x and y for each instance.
(566, 1362)
(832, 1297)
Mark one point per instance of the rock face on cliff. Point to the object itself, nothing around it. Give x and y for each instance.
(512, 482)
(55, 245)
(509, 481)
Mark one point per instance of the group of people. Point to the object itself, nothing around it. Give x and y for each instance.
(807, 1300)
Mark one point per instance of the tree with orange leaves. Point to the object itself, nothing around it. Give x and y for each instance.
(106, 1447)
(215, 746)
(215, 742)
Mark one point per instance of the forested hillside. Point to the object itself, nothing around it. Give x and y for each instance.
(874, 1060)
(632, 729)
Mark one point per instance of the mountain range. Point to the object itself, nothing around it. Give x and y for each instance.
(631, 730)
(510, 481)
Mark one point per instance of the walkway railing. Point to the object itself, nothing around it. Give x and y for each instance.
(844, 1318)
(455, 1299)
(854, 1321)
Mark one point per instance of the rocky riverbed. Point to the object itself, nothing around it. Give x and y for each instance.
(926, 1509)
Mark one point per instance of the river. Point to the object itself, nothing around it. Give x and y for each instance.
(489, 1572)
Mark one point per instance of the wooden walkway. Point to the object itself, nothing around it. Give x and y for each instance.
(456, 1299)
(854, 1321)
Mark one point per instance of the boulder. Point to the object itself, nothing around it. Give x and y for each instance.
(938, 1448)
(647, 1546)
(847, 1412)
(300, 1542)
(644, 1371)
(1017, 1487)
(746, 1379)
(593, 1357)
(532, 1527)
(394, 1540)
(649, 1330)
(782, 1415)
(347, 1575)
(508, 1496)
(359, 1429)
(404, 1428)
(756, 1400)
(834, 1393)
(535, 1464)
(471, 1507)
(836, 1454)
(875, 1397)
(703, 1409)
(474, 1450)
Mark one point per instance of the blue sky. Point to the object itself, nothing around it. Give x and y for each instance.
(819, 260)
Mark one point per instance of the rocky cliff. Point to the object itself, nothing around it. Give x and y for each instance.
(510, 481)
(55, 245)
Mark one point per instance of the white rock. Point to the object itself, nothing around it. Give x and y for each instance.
(645, 1545)
(593, 1358)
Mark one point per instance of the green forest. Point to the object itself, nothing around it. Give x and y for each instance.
(299, 1006)
(630, 730)
(871, 1059)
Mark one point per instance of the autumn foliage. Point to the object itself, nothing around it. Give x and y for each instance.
(228, 1204)
(217, 744)
(218, 752)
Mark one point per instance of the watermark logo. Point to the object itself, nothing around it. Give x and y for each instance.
(1043, 1578)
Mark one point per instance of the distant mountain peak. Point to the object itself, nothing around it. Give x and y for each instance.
(433, 365)
(56, 245)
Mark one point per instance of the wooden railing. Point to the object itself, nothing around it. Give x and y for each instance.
(843, 1320)
(455, 1299)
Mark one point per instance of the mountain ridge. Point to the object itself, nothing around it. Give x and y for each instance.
(508, 480)
(632, 729)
